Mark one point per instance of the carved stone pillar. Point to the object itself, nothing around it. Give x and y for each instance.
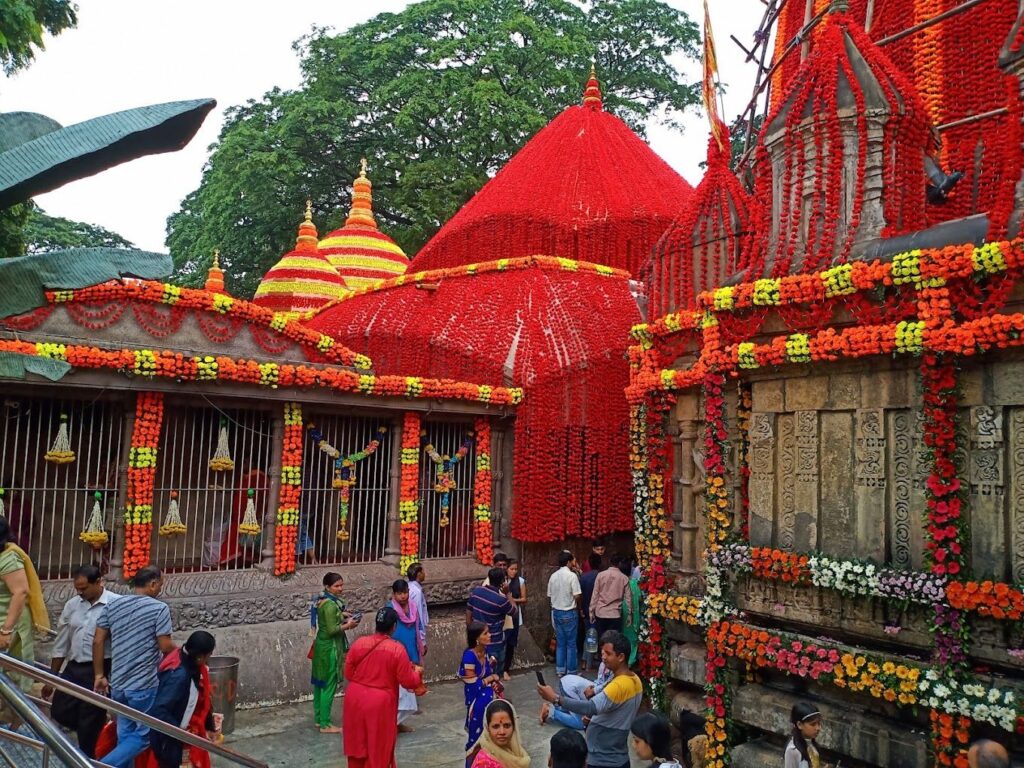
(688, 489)
(393, 545)
(762, 478)
(501, 516)
(988, 540)
(1016, 451)
(870, 480)
(116, 569)
(274, 489)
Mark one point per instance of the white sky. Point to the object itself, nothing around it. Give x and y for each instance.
(127, 53)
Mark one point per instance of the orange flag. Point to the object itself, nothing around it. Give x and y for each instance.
(710, 93)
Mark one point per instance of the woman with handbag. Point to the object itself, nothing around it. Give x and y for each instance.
(479, 678)
(330, 620)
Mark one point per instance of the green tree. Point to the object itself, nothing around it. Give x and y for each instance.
(437, 97)
(45, 233)
(22, 24)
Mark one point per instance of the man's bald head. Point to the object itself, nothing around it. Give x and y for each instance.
(988, 754)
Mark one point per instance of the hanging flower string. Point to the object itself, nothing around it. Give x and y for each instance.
(444, 468)
(222, 461)
(249, 529)
(286, 533)
(173, 525)
(408, 499)
(483, 533)
(95, 535)
(142, 456)
(60, 452)
(345, 471)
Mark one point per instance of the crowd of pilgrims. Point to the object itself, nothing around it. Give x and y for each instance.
(121, 646)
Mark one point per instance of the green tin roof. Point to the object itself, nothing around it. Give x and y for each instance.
(55, 158)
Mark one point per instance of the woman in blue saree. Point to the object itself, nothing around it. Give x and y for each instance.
(478, 677)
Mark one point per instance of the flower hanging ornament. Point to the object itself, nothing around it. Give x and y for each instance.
(94, 535)
(444, 467)
(222, 461)
(345, 472)
(60, 452)
(173, 524)
(249, 529)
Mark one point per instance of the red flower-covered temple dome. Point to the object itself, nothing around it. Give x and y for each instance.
(303, 279)
(362, 254)
(585, 187)
(707, 244)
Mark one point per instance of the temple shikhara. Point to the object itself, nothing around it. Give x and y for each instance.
(794, 390)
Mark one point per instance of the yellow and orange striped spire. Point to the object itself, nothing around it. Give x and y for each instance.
(360, 215)
(592, 93)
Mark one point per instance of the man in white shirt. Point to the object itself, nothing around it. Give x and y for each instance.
(75, 630)
(565, 594)
(416, 575)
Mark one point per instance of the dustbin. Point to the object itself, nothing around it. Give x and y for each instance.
(223, 688)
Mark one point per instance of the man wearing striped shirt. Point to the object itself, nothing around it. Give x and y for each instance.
(139, 628)
(489, 605)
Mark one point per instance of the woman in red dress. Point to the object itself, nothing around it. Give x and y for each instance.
(375, 667)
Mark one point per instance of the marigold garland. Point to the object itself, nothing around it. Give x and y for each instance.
(175, 365)
(142, 456)
(408, 499)
(286, 532)
(483, 531)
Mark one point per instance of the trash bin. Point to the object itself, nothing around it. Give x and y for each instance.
(223, 688)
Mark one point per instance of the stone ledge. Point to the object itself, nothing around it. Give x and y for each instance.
(687, 662)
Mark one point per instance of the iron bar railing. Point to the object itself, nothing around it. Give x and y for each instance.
(52, 736)
(10, 664)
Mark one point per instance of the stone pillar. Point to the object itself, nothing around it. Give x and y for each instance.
(274, 489)
(987, 486)
(501, 515)
(116, 570)
(870, 479)
(393, 546)
(688, 491)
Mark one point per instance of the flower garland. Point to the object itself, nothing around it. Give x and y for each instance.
(345, 471)
(408, 499)
(744, 412)
(138, 514)
(238, 310)
(286, 532)
(444, 466)
(483, 532)
(173, 365)
(716, 435)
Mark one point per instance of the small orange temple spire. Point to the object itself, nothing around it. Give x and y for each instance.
(592, 94)
(361, 213)
(306, 241)
(215, 275)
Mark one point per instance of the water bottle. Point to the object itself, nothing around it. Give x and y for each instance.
(590, 643)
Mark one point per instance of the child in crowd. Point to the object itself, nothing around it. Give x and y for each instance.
(652, 740)
(802, 752)
(568, 750)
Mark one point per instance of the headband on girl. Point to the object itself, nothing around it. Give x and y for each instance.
(815, 713)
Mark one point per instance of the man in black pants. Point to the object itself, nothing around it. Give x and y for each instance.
(75, 631)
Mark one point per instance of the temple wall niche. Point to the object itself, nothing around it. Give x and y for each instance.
(838, 464)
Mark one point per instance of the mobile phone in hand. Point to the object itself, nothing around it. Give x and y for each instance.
(540, 677)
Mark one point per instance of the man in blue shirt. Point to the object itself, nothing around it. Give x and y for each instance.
(139, 628)
(490, 605)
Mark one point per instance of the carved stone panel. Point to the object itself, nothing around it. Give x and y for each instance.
(838, 517)
(905, 499)
(762, 478)
(870, 481)
(785, 481)
(985, 472)
(1017, 492)
(806, 481)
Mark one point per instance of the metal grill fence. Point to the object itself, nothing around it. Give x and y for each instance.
(456, 538)
(370, 496)
(211, 503)
(47, 505)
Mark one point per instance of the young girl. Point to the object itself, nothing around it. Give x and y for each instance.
(652, 740)
(499, 745)
(517, 594)
(478, 678)
(802, 752)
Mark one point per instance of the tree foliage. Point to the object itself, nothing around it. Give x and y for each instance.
(27, 229)
(437, 97)
(22, 24)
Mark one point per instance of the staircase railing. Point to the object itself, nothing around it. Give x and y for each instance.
(9, 665)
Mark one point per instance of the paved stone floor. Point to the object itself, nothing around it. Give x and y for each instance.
(285, 738)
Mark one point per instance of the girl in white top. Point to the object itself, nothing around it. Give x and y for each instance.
(652, 740)
(801, 751)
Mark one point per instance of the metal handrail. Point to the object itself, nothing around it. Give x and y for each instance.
(11, 664)
(50, 735)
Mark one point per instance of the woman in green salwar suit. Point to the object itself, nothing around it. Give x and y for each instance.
(328, 616)
(632, 614)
